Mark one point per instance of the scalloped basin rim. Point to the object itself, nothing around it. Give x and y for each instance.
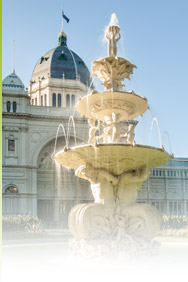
(110, 58)
(117, 158)
(100, 104)
(113, 93)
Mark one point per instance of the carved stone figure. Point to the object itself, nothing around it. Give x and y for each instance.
(130, 134)
(111, 34)
(114, 212)
(111, 131)
(102, 183)
(129, 185)
(92, 130)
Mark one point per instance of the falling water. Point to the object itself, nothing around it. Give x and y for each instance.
(71, 122)
(67, 136)
(58, 178)
(158, 130)
(93, 81)
(61, 174)
(63, 128)
(169, 143)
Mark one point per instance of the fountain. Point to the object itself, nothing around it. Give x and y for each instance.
(112, 162)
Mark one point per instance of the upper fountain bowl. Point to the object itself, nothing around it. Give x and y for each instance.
(99, 105)
(112, 70)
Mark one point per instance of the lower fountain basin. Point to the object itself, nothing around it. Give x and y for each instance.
(116, 158)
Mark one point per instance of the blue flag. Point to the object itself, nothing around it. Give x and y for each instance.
(67, 20)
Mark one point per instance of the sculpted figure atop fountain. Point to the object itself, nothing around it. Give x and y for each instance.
(111, 36)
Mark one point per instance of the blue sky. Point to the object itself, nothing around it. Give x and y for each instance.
(154, 38)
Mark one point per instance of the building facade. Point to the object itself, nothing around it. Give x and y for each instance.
(167, 188)
(32, 181)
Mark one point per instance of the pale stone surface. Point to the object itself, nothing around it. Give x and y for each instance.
(98, 105)
(111, 35)
(112, 70)
(113, 212)
(117, 158)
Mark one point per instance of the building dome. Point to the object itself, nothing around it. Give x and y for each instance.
(61, 62)
(12, 82)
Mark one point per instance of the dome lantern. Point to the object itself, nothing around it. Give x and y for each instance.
(62, 39)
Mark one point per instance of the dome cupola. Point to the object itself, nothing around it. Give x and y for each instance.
(12, 81)
(61, 62)
(13, 84)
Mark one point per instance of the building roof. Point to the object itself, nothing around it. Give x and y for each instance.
(178, 162)
(12, 82)
(61, 62)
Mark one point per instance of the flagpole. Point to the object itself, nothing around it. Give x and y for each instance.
(62, 21)
(13, 56)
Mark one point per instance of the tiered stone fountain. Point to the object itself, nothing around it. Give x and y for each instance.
(112, 162)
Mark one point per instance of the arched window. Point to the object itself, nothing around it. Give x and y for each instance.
(73, 100)
(8, 106)
(11, 190)
(14, 107)
(68, 101)
(35, 101)
(54, 100)
(59, 100)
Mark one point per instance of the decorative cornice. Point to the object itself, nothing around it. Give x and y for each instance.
(19, 166)
(15, 128)
(73, 87)
(18, 195)
(40, 117)
(16, 95)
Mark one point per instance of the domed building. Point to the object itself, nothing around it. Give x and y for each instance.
(32, 182)
(59, 77)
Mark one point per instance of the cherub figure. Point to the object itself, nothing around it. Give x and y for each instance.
(111, 132)
(92, 130)
(130, 134)
(112, 40)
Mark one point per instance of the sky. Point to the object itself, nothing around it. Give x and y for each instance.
(154, 38)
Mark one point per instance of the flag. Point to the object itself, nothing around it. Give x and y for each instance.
(63, 15)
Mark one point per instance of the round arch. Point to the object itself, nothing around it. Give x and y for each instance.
(44, 141)
(15, 191)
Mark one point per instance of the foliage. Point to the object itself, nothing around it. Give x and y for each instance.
(174, 222)
(174, 232)
(174, 225)
(22, 223)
